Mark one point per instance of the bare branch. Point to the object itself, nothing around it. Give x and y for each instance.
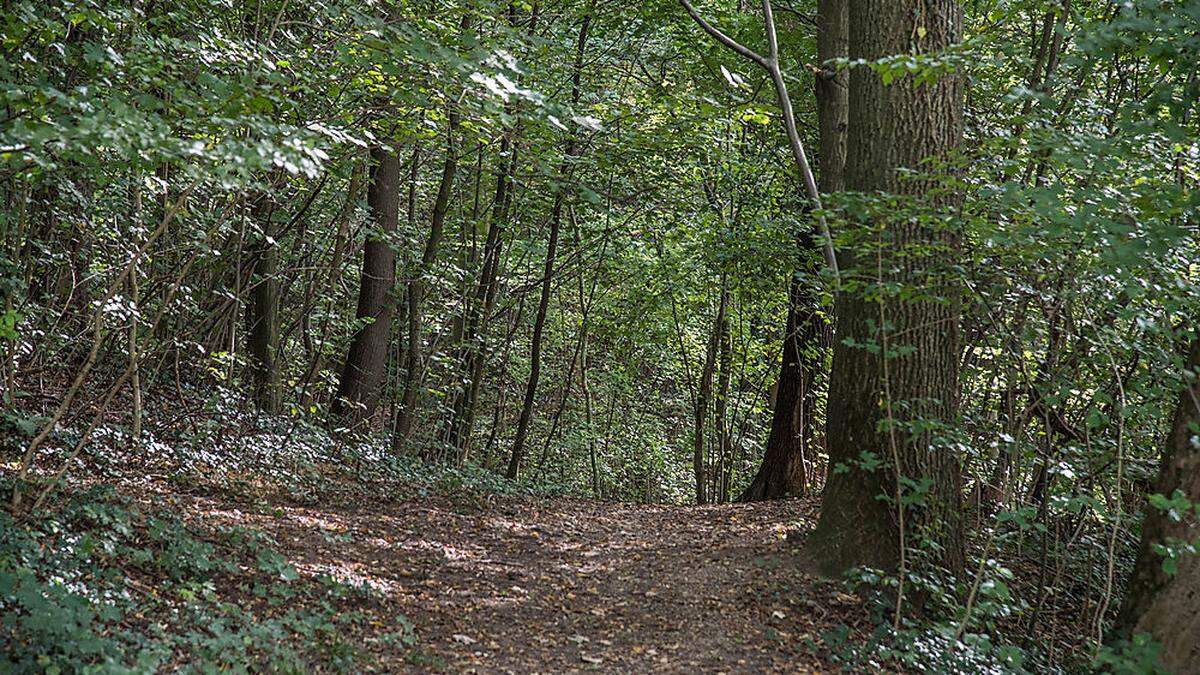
(772, 40)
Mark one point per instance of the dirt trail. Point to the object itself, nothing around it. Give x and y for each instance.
(556, 585)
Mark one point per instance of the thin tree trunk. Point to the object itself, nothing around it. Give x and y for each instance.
(586, 301)
(587, 415)
(498, 416)
(700, 409)
(996, 492)
(135, 379)
(461, 422)
(517, 455)
(342, 220)
(414, 365)
(721, 418)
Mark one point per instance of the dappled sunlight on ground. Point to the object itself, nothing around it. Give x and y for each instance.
(560, 585)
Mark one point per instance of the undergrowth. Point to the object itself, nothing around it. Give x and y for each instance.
(103, 586)
(997, 631)
(215, 442)
(95, 583)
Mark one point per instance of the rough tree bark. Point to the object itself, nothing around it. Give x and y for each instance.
(782, 471)
(1168, 606)
(366, 362)
(262, 314)
(894, 126)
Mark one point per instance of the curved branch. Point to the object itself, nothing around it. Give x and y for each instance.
(723, 38)
(770, 63)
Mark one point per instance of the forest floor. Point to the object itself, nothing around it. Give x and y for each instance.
(550, 585)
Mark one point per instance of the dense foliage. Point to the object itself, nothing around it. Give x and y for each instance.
(582, 221)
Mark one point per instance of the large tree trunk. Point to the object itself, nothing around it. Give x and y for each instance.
(871, 398)
(782, 471)
(262, 315)
(1167, 606)
(366, 362)
(832, 94)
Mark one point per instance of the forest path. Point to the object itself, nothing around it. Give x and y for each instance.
(550, 585)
